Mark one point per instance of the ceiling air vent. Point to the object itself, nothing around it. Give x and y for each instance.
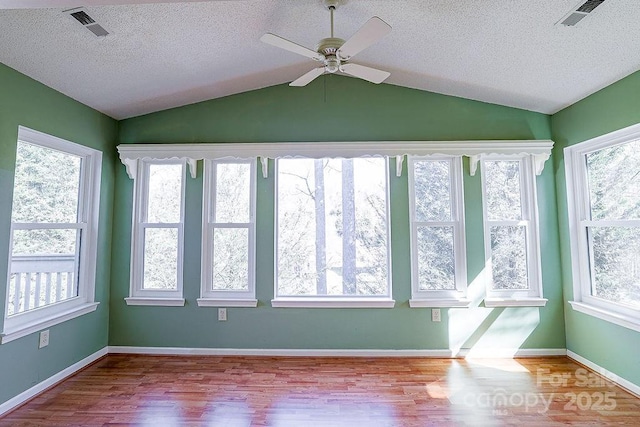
(580, 12)
(80, 14)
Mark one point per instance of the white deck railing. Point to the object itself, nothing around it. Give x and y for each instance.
(37, 281)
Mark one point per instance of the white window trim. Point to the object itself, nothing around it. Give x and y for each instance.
(440, 298)
(138, 295)
(540, 150)
(531, 297)
(218, 298)
(578, 211)
(335, 301)
(22, 324)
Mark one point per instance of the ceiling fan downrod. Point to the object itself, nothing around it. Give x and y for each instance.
(330, 46)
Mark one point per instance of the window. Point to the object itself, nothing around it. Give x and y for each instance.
(603, 188)
(229, 229)
(54, 223)
(438, 253)
(332, 233)
(511, 231)
(158, 234)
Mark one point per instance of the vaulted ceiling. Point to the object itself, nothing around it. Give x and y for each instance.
(163, 55)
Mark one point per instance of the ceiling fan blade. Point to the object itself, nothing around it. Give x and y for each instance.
(366, 73)
(372, 31)
(285, 44)
(307, 78)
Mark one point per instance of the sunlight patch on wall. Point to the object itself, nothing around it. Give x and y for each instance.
(489, 332)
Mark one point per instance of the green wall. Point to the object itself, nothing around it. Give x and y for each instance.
(26, 102)
(617, 106)
(334, 108)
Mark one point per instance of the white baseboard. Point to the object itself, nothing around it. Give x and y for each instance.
(169, 351)
(633, 388)
(444, 353)
(52, 380)
(507, 353)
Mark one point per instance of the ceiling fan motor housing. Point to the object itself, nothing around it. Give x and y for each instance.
(329, 46)
(329, 49)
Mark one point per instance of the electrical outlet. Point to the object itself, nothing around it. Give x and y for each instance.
(44, 339)
(222, 314)
(435, 314)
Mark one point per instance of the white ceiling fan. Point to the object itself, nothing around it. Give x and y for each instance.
(335, 53)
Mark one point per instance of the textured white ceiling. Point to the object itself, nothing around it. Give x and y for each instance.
(164, 55)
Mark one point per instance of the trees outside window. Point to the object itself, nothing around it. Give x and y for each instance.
(229, 228)
(438, 252)
(511, 230)
(158, 234)
(332, 233)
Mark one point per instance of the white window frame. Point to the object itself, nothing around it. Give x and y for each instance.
(138, 295)
(440, 298)
(539, 150)
(217, 298)
(578, 207)
(528, 202)
(335, 301)
(22, 324)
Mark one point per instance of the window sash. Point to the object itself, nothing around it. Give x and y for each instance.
(85, 255)
(456, 222)
(352, 298)
(210, 191)
(141, 204)
(580, 214)
(529, 221)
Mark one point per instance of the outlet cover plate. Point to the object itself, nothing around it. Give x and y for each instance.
(44, 339)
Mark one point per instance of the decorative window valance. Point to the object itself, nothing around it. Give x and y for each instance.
(131, 153)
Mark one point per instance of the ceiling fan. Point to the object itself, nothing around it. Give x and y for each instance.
(335, 53)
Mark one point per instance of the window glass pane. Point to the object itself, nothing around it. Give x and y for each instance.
(502, 180)
(165, 192)
(43, 268)
(44, 242)
(370, 231)
(297, 228)
(160, 258)
(233, 185)
(436, 266)
(614, 182)
(509, 257)
(332, 227)
(231, 259)
(46, 185)
(432, 190)
(616, 264)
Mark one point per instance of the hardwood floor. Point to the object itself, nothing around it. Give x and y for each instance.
(282, 391)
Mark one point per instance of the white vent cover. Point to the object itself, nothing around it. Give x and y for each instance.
(579, 13)
(80, 14)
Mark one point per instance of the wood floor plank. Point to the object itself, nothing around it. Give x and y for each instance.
(142, 390)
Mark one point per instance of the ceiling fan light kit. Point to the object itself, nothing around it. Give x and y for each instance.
(335, 53)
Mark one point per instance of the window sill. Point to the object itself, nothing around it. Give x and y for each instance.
(46, 322)
(515, 302)
(162, 302)
(332, 303)
(607, 315)
(423, 302)
(230, 302)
